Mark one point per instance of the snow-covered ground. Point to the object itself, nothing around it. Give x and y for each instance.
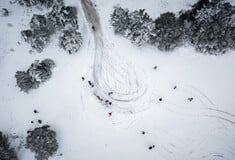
(201, 129)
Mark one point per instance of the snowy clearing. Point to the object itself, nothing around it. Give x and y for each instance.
(184, 107)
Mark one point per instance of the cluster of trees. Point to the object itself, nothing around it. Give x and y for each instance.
(135, 25)
(209, 26)
(36, 74)
(41, 140)
(61, 18)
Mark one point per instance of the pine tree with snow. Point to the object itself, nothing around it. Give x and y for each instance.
(213, 29)
(139, 27)
(41, 71)
(38, 22)
(37, 73)
(70, 40)
(167, 33)
(120, 20)
(36, 38)
(25, 82)
(62, 16)
(42, 141)
(39, 40)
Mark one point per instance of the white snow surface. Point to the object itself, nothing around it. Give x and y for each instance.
(179, 129)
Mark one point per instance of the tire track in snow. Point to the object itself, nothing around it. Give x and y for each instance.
(112, 73)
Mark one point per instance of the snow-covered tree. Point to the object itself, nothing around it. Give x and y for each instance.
(42, 141)
(120, 20)
(167, 33)
(62, 16)
(37, 73)
(70, 40)
(25, 82)
(39, 40)
(139, 27)
(43, 26)
(38, 22)
(6, 153)
(39, 34)
(41, 71)
(213, 29)
(135, 25)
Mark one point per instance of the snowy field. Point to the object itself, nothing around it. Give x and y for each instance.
(149, 106)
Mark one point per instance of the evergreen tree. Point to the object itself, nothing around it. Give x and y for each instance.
(120, 20)
(62, 16)
(139, 27)
(167, 33)
(70, 40)
(42, 141)
(37, 73)
(38, 22)
(25, 82)
(213, 29)
(39, 40)
(41, 71)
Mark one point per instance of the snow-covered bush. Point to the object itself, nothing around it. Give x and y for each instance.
(37, 73)
(211, 26)
(139, 27)
(62, 16)
(6, 153)
(42, 141)
(70, 40)
(167, 33)
(120, 20)
(4, 12)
